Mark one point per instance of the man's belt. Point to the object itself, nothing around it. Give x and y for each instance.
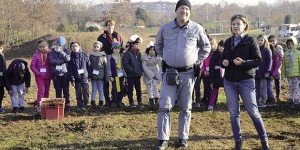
(181, 69)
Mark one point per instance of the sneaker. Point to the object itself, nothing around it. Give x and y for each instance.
(83, 108)
(156, 101)
(2, 111)
(289, 101)
(113, 105)
(162, 145)
(140, 105)
(296, 102)
(265, 146)
(38, 109)
(262, 104)
(107, 105)
(67, 107)
(238, 145)
(151, 103)
(132, 106)
(198, 105)
(15, 109)
(210, 108)
(297, 107)
(93, 103)
(22, 109)
(182, 143)
(271, 104)
(121, 105)
(176, 103)
(278, 98)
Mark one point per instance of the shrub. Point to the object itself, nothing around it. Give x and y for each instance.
(67, 28)
(92, 28)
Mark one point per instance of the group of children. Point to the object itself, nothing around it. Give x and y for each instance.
(276, 64)
(125, 67)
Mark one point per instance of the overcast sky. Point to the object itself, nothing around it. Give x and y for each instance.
(242, 2)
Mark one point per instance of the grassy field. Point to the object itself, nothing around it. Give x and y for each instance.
(137, 129)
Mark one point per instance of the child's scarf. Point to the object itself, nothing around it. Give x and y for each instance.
(119, 66)
(44, 57)
(135, 50)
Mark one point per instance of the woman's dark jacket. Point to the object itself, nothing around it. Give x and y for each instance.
(106, 41)
(248, 50)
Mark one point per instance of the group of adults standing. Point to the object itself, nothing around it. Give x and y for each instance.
(183, 45)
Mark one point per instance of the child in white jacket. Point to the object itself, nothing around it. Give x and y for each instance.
(152, 73)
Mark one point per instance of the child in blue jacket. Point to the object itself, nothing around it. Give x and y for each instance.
(78, 74)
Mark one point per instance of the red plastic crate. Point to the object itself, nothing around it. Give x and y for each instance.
(52, 108)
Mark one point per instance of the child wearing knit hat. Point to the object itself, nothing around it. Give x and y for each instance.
(59, 57)
(117, 76)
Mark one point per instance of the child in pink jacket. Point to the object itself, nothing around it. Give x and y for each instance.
(41, 68)
(205, 73)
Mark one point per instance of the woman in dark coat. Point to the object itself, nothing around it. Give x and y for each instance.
(240, 58)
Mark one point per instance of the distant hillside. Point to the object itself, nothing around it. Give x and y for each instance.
(86, 39)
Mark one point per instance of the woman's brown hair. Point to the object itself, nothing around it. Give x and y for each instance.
(243, 18)
(112, 22)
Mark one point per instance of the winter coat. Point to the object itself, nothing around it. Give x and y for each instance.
(291, 65)
(205, 64)
(2, 69)
(132, 63)
(39, 69)
(113, 67)
(106, 39)
(248, 50)
(78, 67)
(59, 61)
(151, 67)
(276, 62)
(266, 65)
(99, 69)
(216, 73)
(12, 77)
